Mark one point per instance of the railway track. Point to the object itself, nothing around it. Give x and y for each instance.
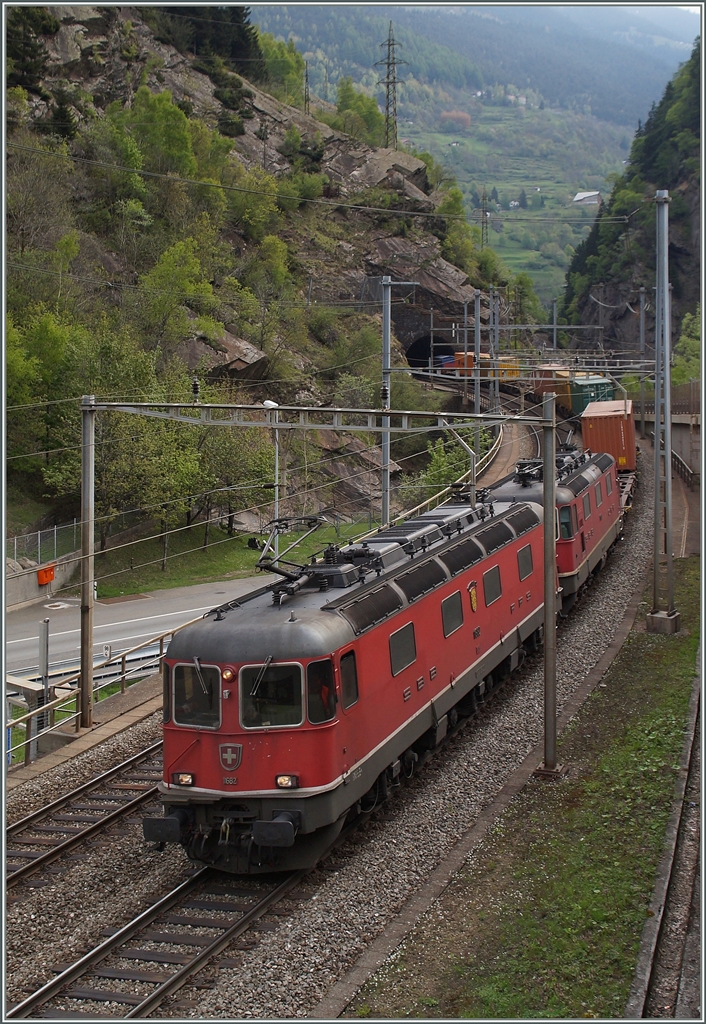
(42, 837)
(672, 987)
(148, 960)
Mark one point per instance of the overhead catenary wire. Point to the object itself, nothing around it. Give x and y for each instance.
(326, 203)
(253, 508)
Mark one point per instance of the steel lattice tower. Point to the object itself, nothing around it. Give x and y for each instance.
(390, 81)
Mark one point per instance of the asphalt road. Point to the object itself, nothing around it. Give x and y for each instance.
(121, 622)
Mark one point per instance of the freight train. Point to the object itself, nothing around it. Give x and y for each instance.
(291, 711)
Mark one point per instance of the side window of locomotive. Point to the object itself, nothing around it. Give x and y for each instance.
(599, 494)
(587, 506)
(575, 518)
(609, 484)
(320, 692)
(524, 561)
(492, 587)
(349, 679)
(270, 696)
(565, 526)
(196, 696)
(166, 693)
(403, 649)
(452, 613)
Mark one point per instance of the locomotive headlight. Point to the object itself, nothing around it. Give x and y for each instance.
(183, 778)
(227, 674)
(287, 781)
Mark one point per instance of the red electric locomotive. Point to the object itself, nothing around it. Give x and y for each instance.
(289, 711)
(590, 518)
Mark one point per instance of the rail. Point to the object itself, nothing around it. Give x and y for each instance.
(68, 704)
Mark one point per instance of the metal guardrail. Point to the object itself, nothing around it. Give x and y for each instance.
(69, 703)
(688, 475)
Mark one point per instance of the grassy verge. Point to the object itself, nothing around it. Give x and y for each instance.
(138, 568)
(546, 920)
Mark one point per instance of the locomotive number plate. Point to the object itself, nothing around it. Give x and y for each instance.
(230, 780)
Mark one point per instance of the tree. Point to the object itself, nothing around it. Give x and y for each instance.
(523, 200)
(161, 131)
(687, 351)
(37, 190)
(285, 69)
(26, 53)
(174, 283)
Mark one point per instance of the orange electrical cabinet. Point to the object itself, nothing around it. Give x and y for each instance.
(610, 427)
(45, 574)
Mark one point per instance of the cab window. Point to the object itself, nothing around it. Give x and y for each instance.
(403, 649)
(320, 692)
(524, 561)
(270, 696)
(197, 695)
(492, 587)
(452, 613)
(565, 525)
(349, 679)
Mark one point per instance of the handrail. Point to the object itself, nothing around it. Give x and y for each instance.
(24, 721)
(680, 467)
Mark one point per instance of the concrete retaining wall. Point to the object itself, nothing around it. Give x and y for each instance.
(22, 590)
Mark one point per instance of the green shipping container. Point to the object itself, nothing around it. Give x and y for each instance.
(590, 387)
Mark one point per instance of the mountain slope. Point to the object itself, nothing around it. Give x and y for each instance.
(666, 154)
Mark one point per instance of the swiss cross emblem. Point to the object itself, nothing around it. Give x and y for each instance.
(231, 755)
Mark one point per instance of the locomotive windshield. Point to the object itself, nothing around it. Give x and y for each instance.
(196, 695)
(270, 695)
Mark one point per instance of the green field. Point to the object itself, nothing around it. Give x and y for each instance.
(550, 154)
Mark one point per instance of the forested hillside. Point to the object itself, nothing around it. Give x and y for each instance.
(524, 102)
(666, 154)
(166, 216)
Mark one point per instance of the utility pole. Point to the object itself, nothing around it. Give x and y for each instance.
(385, 391)
(660, 621)
(390, 81)
(550, 769)
(88, 458)
(465, 354)
(484, 220)
(476, 365)
(385, 395)
(431, 335)
(306, 87)
(642, 357)
(554, 324)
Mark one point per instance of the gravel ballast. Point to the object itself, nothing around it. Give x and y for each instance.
(366, 882)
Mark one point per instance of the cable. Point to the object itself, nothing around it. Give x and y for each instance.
(259, 192)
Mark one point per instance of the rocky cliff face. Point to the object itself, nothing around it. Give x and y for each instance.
(108, 52)
(620, 297)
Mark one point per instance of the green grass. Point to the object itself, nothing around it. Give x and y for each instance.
(546, 919)
(138, 568)
(588, 848)
(22, 511)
